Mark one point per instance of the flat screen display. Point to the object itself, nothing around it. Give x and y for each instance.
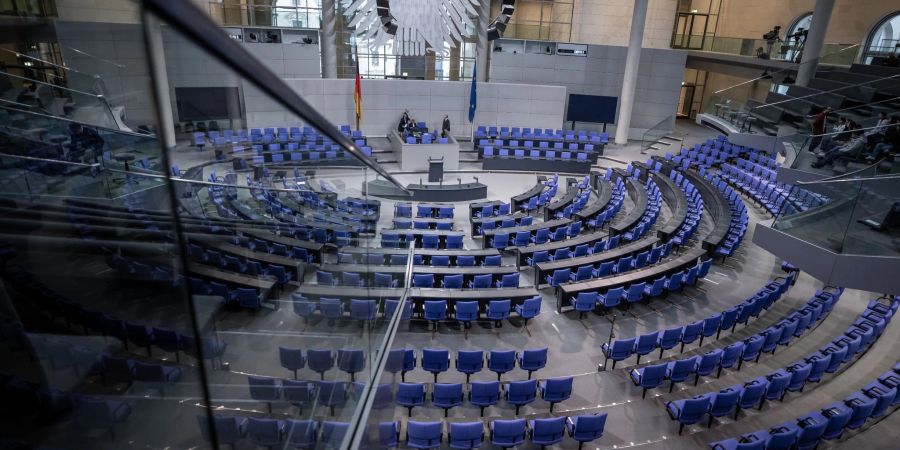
(207, 103)
(591, 108)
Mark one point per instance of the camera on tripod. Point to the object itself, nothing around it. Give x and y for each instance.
(772, 35)
(800, 34)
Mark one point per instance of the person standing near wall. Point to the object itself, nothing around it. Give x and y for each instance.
(818, 127)
(445, 127)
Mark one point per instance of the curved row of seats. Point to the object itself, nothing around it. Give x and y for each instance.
(875, 400)
(739, 218)
(734, 355)
(469, 362)
(420, 435)
(793, 378)
(622, 348)
(436, 260)
(482, 394)
(634, 261)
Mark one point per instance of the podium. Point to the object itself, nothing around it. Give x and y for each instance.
(436, 170)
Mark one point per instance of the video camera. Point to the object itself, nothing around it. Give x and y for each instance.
(799, 34)
(772, 35)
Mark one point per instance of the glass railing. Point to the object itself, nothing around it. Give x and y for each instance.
(779, 51)
(857, 214)
(280, 16)
(59, 101)
(196, 295)
(650, 140)
(63, 76)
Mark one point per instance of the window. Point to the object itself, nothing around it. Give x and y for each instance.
(884, 40)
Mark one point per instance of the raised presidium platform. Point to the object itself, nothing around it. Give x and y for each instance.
(450, 192)
(413, 157)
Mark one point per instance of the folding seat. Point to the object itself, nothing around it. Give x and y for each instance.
(410, 395)
(584, 302)
(772, 336)
(710, 327)
(611, 298)
(466, 312)
(520, 393)
(547, 431)
(498, 310)
(586, 428)
(787, 332)
(465, 435)
(484, 393)
(862, 408)
(481, 281)
(778, 382)
(264, 389)
(582, 273)
(648, 377)
(435, 360)
(291, 359)
(690, 333)
(229, 430)
(838, 415)
(688, 411)
(722, 403)
(508, 281)
(708, 363)
(423, 435)
(559, 276)
(656, 288)
(884, 396)
(730, 356)
(668, 339)
(434, 311)
(729, 319)
(645, 344)
(799, 375)
(320, 361)
(507, 433)
(635, 292)
(619, 350)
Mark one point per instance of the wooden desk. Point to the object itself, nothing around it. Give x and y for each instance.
(367, 272)
(678, 204)
(264, 285)
(310, 246)
(518, 200)
(523, 253)
(427, 253)
(543, 269)
(572, 191)
(639, 196)
(420, 295)
(551, 224)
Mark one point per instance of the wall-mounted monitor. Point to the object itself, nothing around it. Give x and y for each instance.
(591, 108)
(208, 103)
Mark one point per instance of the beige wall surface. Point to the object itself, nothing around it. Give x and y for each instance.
(608, 22)
(850, 23)
(107, 11)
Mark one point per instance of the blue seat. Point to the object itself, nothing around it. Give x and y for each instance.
(440, 261)
(325, 278)
(97, 413)
(466, 312)
(533, 359)
(424, 435)
(555, 390)
(484, 393)
(838, 415)
(645, 344)
(582, 273)
(265, 432)
(400, 360)
(501, 361)
(559, 276)
(500, 241)
(264, 389)
(351, 361)
(465, 435)
(291, 359)
(435, 360)
(333, 433)
(510, 280)
(410, 395)
(586, 428)
(777, 386)
(469, 362)
(423, 280)
(648, 377)
(385, 280)
(465, 261)
(690, 333)
(521, 393)
(298, 393)
(447, 395)
(434, 311)
(492, 261)
(482, 281)
(688, 411)
(862, 409)
(708, 363)
(618, 351)
(722, 403)
(331, 308)
(363, 310)
(751, 395)
(530, 308)
(320, 361)
(452, 282)
(229, 429)
(680, 370)
(611, 298)
(507, 433)
(547, 431)
(668, 339)
(389, 434)
(454, 241)
(498, 310)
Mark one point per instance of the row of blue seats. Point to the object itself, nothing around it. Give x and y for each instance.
(502, 222)
(774, 386)
(424, 210)
(624, 264)
(492, 210)
(737, 228)
(651, 213)
(549, 133)
(622, 348)
(407, 224)
(298, 253)
(427, 138)
(734, 355)
(333, 309)
(247, 266)
(420, 280)
(469, 362)
(429, 241)
(466, 312)
(283, 134)
(378, 259)
(488, 152)
(420, 435)
(322, 360)
(484, 394)
(578, 251)
(530, 144)
(806, 432)
(503, 239)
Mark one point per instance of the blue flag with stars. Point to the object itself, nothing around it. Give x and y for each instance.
(473, 96)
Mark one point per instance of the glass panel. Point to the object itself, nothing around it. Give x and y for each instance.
(656, 132)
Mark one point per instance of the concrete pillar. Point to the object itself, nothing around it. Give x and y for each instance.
(632, 61)
(482, 45)
(326, 40)
(814, 40)
(153, 35)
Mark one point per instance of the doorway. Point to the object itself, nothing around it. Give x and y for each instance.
(690, 31)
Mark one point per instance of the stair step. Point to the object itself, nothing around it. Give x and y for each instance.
(662, 143)
(672, 138)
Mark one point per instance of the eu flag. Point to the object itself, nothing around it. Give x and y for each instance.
(473, 96)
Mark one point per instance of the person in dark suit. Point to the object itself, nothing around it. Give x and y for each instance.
(445, 127)
(404, 122)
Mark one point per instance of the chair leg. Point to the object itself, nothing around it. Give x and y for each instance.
(638, 358)
(696, 378)
(482, 411)
(671, 385)
(709, 424)
(661, 350)
(517, 409)
(681, 428)
(552, 404)
(614, 364)
(644, 394)
(295, 374)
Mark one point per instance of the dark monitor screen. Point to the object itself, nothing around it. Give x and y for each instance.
(208, 103)
(591, 108)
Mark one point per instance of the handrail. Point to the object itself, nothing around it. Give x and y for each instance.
(825, 92)
(831, 133)
(66, 119)
(792, 67)
(44, 61)
(31, 80)
(121, 66)
(188, 19)
(54, 161)
(842, 178)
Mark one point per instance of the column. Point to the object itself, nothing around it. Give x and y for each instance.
(814, 40)
(157, 53)
(482, 45)
(326, 41)
(632, 61)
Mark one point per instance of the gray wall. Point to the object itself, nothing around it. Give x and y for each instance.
(428, 101)
(600, 73)
(186, 64)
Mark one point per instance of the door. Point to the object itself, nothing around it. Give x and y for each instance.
(686, 100)
(690, 31)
